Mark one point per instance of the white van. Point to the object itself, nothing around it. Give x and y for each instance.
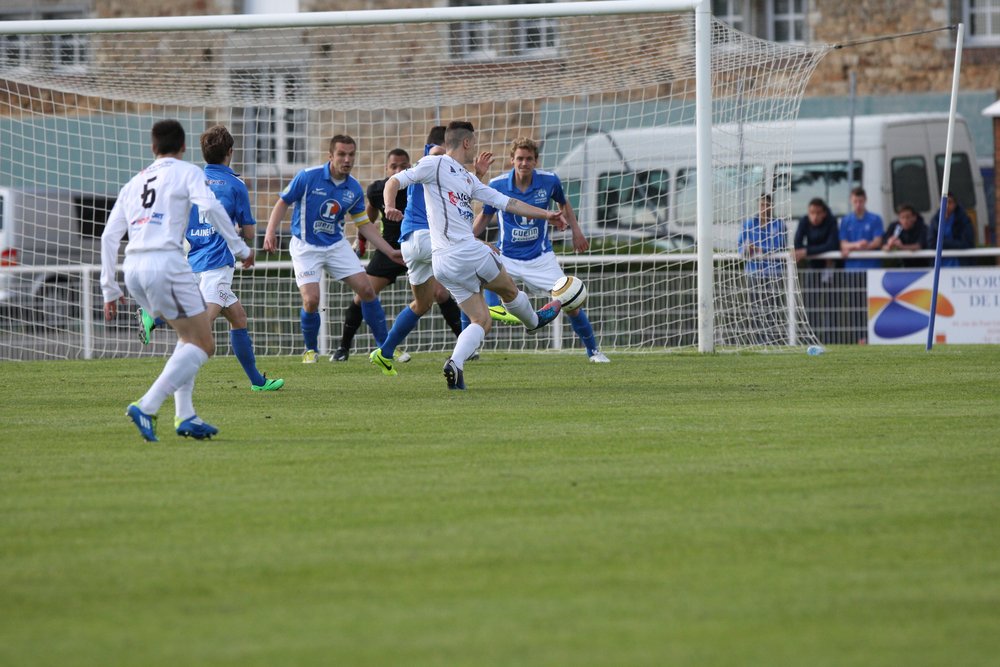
(47, 228)
(641, 182)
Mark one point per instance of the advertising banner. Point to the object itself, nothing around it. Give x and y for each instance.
(968, 308)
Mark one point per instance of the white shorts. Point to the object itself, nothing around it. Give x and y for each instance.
(309, 261)
(163, 284)
(416, 251)
(538, 275)
(217, 286)
(463, 269)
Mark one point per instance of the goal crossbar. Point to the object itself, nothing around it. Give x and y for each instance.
(347, 18)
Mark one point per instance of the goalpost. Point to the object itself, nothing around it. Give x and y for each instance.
(665, 125)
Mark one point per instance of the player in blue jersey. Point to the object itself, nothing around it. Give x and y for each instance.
(211, 260)
(524, 243)
(381, 270)
(324, 197)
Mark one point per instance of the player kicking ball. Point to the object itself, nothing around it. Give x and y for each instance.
(211, 260)
(461, 262)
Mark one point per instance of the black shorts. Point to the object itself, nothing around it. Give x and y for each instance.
(383, 267)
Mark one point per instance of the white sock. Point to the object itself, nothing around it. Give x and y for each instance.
(467, 343)
(180, 369)
(184, 401)
(521, 308)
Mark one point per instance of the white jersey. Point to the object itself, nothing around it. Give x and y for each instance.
(449, 189)
(154, 208)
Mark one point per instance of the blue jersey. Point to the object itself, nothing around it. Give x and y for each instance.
(770, 240)
(322, 206)
(415, 214)
(522, 238)
(867, 227)
(208, 249)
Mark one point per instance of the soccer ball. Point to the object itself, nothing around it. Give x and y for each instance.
(571, 292)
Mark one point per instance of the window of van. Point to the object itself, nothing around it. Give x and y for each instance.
(633, 198)
(748, 179)
(91, 213)
(571, 188)
(909, 183)
(960, 182)
(828, 181)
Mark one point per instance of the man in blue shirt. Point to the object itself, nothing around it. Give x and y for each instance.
(763, 243)
(860, 230)
(211, 259)
(524, 244)
(324, 197)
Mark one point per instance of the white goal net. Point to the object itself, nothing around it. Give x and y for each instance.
(610, 98)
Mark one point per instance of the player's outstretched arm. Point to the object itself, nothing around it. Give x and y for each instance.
(580, 242)
(483, 163)
(389, 192)
(371, 233)
(482, 222)
(518, 207)
(273, 221)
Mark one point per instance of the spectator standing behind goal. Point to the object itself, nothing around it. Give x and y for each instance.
(383, 271)
(211, 260)
(816, 234)
(323, 197)
(763, 243)
(859, 230)
(907, 233)
(461, 262)
(154, 208)
(524, 243)
(958, 231)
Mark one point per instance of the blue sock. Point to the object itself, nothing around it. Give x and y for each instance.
(492, 299)
(465, 320)
(581, 325)
(243, 349)
(405, 321)
(310, 328)
(375, 318)
(159, 322)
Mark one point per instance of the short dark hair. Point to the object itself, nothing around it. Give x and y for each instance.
(859, 192)
(457, 132)
(341, 139)
(907, 207)
(819, 201)
(397, 152)
(436, 135)
(168, 137)
(216, 142)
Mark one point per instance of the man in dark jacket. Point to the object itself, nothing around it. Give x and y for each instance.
(957, 231)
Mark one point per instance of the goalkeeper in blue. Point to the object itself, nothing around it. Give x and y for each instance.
(524, 243)
(211, 259)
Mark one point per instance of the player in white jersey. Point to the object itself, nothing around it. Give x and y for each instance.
(154, 208)
(463, 263)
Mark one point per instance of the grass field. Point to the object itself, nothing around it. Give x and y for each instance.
(661, 510)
